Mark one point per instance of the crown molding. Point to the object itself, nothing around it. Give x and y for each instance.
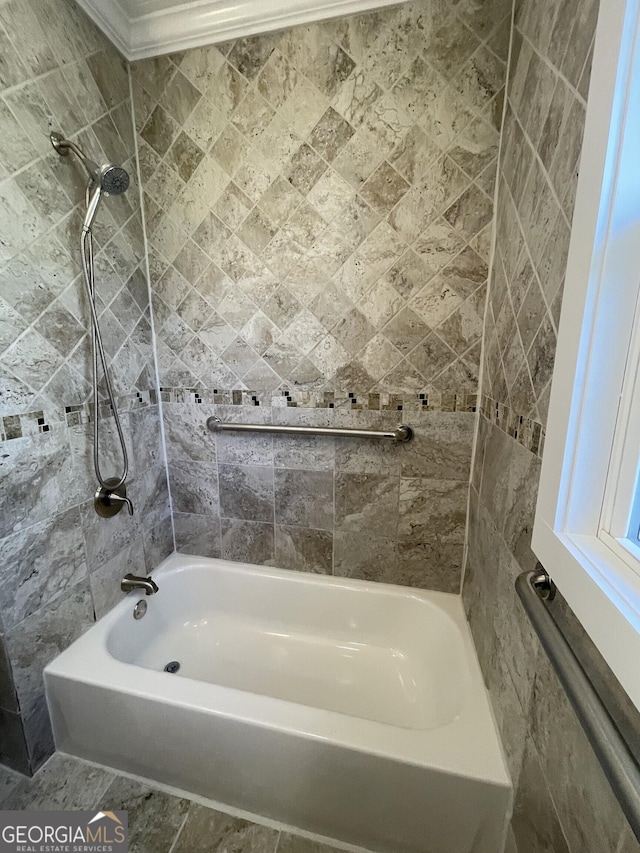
(111, 18)
(143, 28)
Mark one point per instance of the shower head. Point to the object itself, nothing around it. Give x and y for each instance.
(111, 179)
(107, 179)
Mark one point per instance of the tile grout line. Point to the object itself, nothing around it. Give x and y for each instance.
(31, 327)
(536, 274)
(384, 219)
(491, 265)
(556, 71)
(154, 338)
(541, 166)
(179, 832)
(42, 157)
(517, 335)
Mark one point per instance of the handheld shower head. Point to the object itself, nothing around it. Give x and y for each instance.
(108, 178)
(111, 179)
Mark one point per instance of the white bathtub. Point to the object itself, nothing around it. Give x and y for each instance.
(349, 709)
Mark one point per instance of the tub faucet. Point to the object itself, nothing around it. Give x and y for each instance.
(130, 582)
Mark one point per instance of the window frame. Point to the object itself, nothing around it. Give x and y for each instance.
(583, 480)
(621, 508)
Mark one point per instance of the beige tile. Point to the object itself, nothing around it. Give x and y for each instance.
(233, 206)
(384, 188)
(303, 107)
(278, 143)
(180, 97)
(256, 231)
(304, 498)
(379, 356)
(359, 157)
(330, 134)
(12, 68)
(330, 195)
(185, 156)
(450, 46)
(406, 330)
(230, 150)
(247, 541)
(305, 169)
(435, 302)
(432, 510)
(205, 124)
(252, 114)
(365, 556)
(429, 565)
(413, 157)
(438, 245)
(200, 65)
(159, 131)
(277, 79)
(249, 55)
(366, 502)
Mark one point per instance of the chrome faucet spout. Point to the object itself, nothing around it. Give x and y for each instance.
(130, 582)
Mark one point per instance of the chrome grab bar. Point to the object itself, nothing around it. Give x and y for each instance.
(612, 750)
(401, 433)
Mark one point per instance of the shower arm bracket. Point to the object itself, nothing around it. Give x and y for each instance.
(60, 143)
(111, 498)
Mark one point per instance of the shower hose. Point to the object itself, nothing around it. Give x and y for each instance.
(86, 251)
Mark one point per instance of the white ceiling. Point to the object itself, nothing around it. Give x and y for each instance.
(142, 28)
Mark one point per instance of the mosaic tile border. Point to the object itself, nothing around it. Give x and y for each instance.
(49, 419)
(46, 420)
(526, 431)
(436, 401)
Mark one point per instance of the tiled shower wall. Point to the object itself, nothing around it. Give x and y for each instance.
(354, 508)
(60, 563)
(563, 802)
(319, 207)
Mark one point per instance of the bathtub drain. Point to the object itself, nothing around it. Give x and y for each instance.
(172, 666)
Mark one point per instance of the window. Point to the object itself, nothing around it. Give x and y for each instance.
(588, 511)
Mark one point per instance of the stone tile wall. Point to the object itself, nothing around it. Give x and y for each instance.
(319, 206)
(60, 564)
(319, 201)
(563, 801)
(350, 507)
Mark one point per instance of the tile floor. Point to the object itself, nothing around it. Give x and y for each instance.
(158, 822)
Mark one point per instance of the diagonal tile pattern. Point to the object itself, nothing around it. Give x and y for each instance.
(542, 141)
(58, 72)
(59, 567)
(318, 201)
